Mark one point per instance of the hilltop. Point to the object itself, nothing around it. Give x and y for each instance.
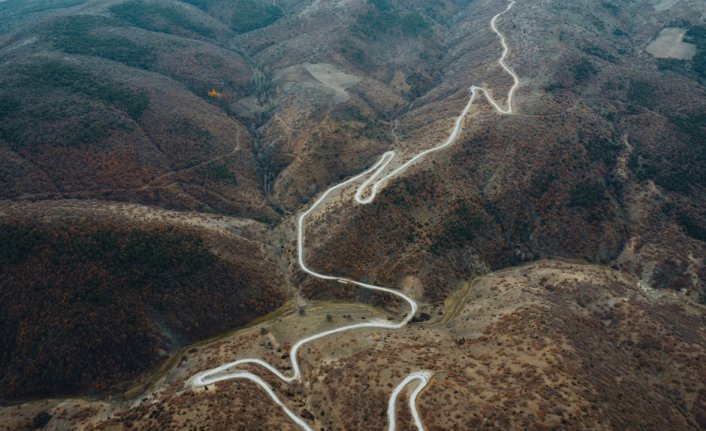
(154, 156)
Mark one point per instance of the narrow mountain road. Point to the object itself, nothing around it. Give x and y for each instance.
(365, 194)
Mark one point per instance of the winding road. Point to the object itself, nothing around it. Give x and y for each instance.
(365, 194)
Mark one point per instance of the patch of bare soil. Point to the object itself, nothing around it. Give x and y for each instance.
(669, 43)
(544, 346)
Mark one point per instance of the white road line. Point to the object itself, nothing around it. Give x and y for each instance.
(475, 91)
(423, 378)
(228, 371)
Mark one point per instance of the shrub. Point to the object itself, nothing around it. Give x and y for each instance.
(250, 15)
(219, 173)
(692, 228)
(583, 71)
(602, 150)
(18, 242)
(77, 35)
(418, 84)
(158, 17)
(697, 36)
(8, 105)
(41, 420)
(119, 287)
(599, 52)
(671, 274)
(385, 19)
(587, 195)
(61, 74)
(75, 106)
(459, 231)
(673, 64)
(641, 93)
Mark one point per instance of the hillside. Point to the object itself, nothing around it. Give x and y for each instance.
(603, 163)
(550, 345)
(155, 157)
(89, 306)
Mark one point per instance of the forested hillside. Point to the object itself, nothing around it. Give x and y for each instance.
(88, 307)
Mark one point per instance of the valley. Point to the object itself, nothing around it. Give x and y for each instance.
(227, 371)
(352, 215)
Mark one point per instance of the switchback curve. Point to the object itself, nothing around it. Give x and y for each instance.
(229, 370)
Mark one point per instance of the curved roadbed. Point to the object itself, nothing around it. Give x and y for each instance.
(365, 194)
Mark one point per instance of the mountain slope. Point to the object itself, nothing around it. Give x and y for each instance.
(242, 112)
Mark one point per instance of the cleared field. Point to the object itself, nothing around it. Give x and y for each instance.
(670, 44)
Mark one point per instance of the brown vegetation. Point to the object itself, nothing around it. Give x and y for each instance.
(91, 306)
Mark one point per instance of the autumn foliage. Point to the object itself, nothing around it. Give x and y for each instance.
(88, 308)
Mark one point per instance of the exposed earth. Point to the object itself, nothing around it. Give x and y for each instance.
(670, 44)
(542, 346)
(155, 157)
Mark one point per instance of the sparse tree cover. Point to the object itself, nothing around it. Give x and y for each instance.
(599, 52)
(584, 70)
(13, 13)
(671, 275)
(88, 35)
(193, 133)
(106, 121)
(602, 149)
(587, 195)
(78, 125)
(693, 228)
(697, 35)
(575, 73)
(219, 173)
(642, 93)
(252, 14)
(39, 421)
(475, 208)
(459, 230)
(418, 84)
(101, 106)
(158, 17)
(59, 74)
(387, 18)
(681, 166)
(613, 8)
(262, 85)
